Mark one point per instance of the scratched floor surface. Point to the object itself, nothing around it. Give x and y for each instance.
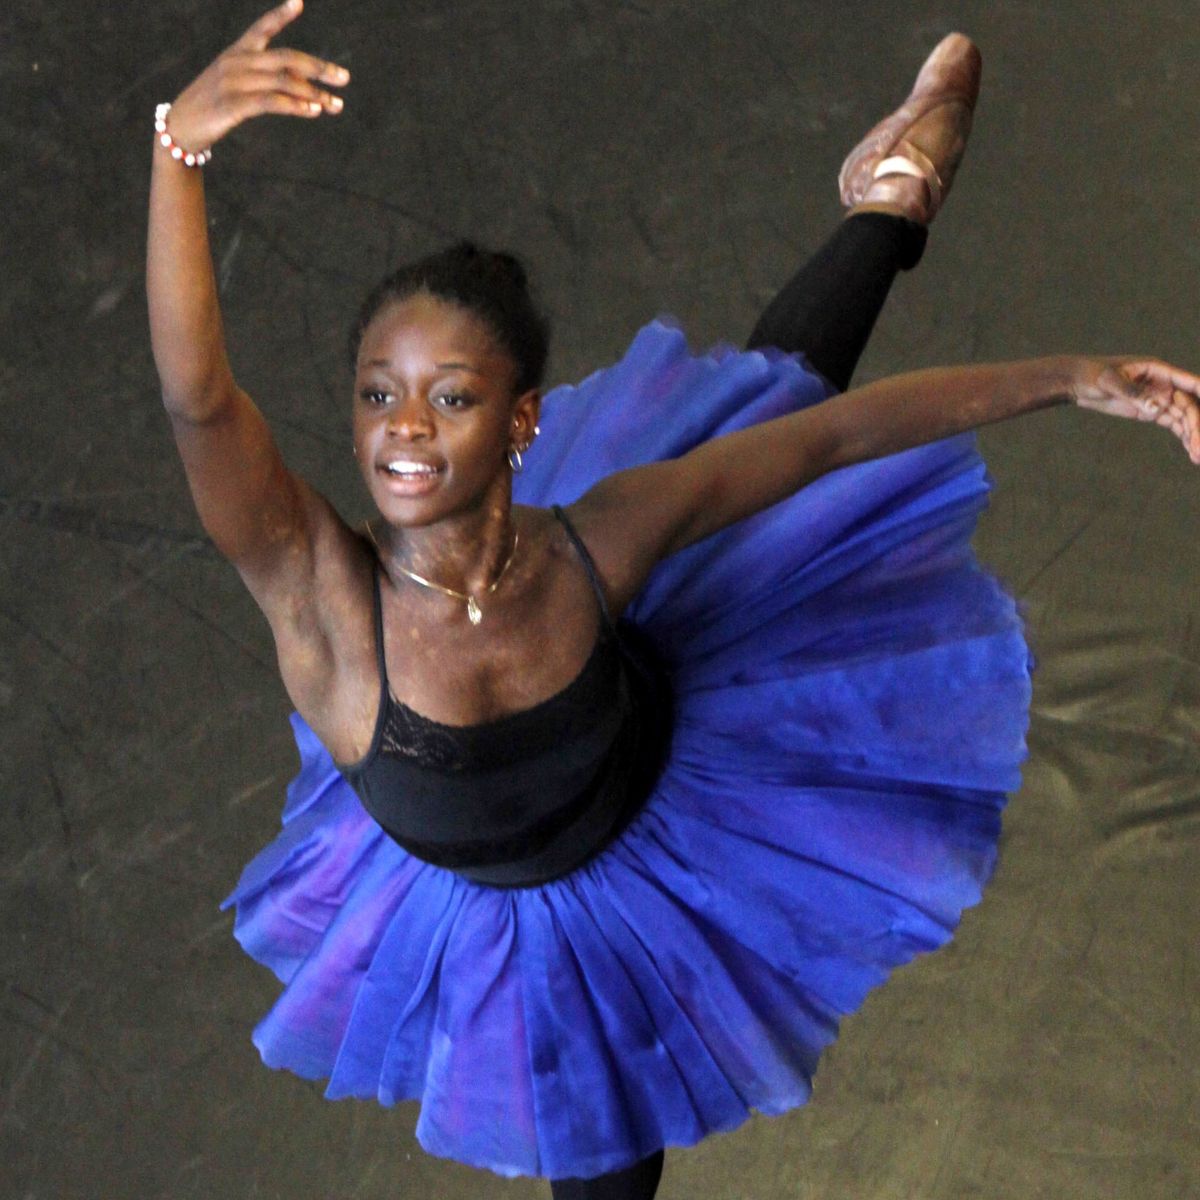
(647, 157)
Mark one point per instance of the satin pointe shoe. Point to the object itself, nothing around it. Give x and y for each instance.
(922, 141)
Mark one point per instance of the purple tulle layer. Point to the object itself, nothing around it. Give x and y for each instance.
(852, 693)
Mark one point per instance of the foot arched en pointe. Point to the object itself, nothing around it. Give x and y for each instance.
(906, 164)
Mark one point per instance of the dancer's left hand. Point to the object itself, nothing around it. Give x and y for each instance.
(1143, 389)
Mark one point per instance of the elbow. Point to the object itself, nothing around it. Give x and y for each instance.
(199, 402)
(194, 384)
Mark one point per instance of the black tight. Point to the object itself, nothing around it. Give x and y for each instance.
(828, 308)
(827, 311)
(638, 1182)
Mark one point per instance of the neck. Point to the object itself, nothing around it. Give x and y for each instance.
(465, 552)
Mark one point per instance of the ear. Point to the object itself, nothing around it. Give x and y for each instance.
(523, 425)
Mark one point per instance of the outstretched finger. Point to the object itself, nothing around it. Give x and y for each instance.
(1176, 416)
(1180, 380)
(1190, 434)
(276, 103)
(307, 66)
(259, 35)
(288, 84)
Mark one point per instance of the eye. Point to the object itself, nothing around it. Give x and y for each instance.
(453, 400)
(375, 396)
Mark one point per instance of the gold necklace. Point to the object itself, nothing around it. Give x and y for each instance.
(474, 612)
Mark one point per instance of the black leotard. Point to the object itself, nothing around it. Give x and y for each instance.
(527, 797)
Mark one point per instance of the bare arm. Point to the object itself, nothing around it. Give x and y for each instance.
(664, 507)
(262, 517)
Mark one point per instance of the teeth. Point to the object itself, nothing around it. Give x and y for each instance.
(410, 468)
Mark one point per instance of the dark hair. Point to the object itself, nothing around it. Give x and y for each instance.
(491, 285)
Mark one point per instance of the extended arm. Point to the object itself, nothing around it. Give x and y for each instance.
(661, 508)
(259, 515)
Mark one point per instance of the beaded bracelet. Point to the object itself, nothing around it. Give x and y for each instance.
(177, 152)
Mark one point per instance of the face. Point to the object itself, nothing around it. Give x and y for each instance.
(435, 412)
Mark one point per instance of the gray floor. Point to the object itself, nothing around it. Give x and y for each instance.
(646, 157)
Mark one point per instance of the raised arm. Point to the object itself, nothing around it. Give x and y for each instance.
(659, 509)
(262, 517)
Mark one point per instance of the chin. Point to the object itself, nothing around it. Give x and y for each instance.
(412, 514)
(416, 512)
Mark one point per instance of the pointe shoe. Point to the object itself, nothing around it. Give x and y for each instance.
(871, 176)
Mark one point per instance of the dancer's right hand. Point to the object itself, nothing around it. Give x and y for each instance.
(250, 79)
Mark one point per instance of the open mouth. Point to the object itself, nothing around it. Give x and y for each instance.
(402, 468)
(410, 477)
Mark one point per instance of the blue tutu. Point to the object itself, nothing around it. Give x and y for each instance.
(852, 694)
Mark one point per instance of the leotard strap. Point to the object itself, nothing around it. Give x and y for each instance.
(377, 608)
(588, 565)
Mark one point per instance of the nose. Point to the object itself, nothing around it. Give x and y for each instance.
(409, 420)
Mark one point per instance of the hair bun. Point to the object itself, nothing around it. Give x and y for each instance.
(496, 265)
(509, 266)
(491, 284)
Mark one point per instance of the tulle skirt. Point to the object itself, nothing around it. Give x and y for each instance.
(851, 704)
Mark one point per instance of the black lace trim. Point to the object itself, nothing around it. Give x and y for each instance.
(407, 734)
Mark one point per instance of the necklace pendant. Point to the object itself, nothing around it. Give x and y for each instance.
(473, 613)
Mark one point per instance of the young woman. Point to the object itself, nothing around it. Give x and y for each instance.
(608, 812)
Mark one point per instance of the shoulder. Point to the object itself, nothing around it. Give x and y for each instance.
(619, 525)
